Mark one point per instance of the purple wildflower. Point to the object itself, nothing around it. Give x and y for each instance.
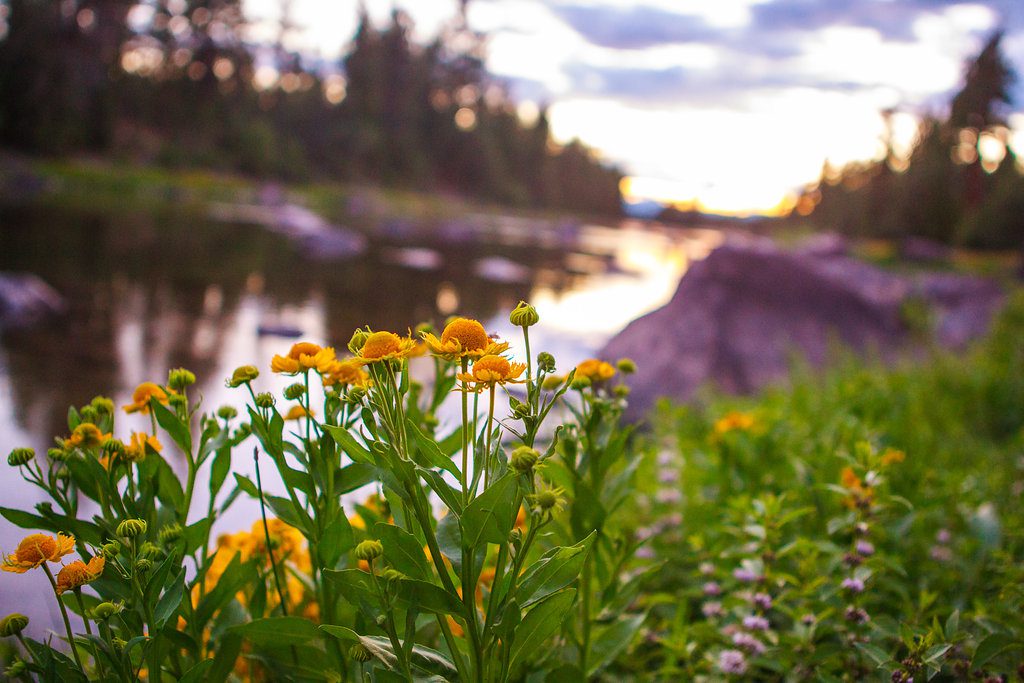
(748, 642)
(745, 575)
(808, 619)
(706, 568)
(669, 496)
(856, 615)
(762, 601)
(853, 585)
(943, 536)
(940, 553)
(732, 662)
(865, 548)
(755, 622)
(712, 609)
(712, 588)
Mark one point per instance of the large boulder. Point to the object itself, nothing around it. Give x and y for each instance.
(740, 315)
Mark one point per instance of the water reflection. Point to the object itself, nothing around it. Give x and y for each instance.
(151, 291)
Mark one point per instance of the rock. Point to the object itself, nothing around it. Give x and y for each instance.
(25, 300)
(739, 315)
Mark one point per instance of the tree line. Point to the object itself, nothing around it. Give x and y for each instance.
(960, 185)
(174, 82)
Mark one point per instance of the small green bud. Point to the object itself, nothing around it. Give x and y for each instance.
(103, 404)
(105, 610)
(227, 412)
(265, 400)
(113, 446)
(149, 551)
(16, 669)
(292, 392)
(524, 315)
(545, 499)
(242, 375)
(130, 528)
(63, 474)
(358, 340)
(626, 366)
(89, 415)
(170, 533)
(621, 390)
(390, 574)
(545, 361)
(422, 329)
(13, 624)
(180, 378)
(143, 565)
(519, 409)
(111, 549)
(243, 431)
(355, 395)
(523, 459)
(177, 400)
(369, 550)
(119, 643)
(20, 456)
(57, 454)
(359, 653)
(580, 383)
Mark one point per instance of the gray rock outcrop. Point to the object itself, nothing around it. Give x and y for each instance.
(738, 317)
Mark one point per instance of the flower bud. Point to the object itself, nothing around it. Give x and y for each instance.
(63, 474)
(149, 551)
(523, 459)
(13, 624)
(243, 431)
(355, 395)
(524, 315)
(177, 400)
(265, 400)
(369, 550)
(113, 446)
(20, 456)
(119, 643)
(180, 378)
(105, 610)
(143, 565)
(170, 533)
(358, 340)
(57, 454)
(621, 391)
(243, 375)
(359, 653)
(292, 392)
(102, 404)
(111, 549)
(552, 382)
(227, 412)
(580, 383)
(89, 415)
(627, 366)
(545, 361)
(545, 500)
(422, 329)
(130, 528)
(390, 574)
(16, 669)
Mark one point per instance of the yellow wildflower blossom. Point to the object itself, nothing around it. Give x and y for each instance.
(491, 370)
(595, 370)
(297, 413)
(734, 421)
(135, 449)
(78, 573)
(141, 396)
(35, 549)
(463, 337)
(892, 456)
(345, 372)
(303, 356)
(381, 346)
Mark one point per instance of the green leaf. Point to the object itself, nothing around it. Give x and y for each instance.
(349, 445)
(539, 624)
(197, 674)
(556, 569)
(428, 448)
(169, 602)
(874, 653)
(178, 430)
(611, 640)
(351, 477)
(228, 647)
(247, 485)
(236, 576)
(278, 631)
(428, 597)
(490, 516)
(991, 647)
(219, 470)
(337, 540)
(403, 551)
(356, 586)
(952, 624)
(424, 660)
(448, 495)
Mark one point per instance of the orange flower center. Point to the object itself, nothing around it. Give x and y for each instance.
(490, 368)
(303, 349)
(469, 333)
(380, 344)
(36, 548)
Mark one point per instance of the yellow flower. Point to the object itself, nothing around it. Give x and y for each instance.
(491, 370)
(595, 370)
(141, 396)
(893, 455)
(79, 573)
(35, 549)
(734, 421)
(462, 338)
(297, 413)
(87, 435)
(860, 495)
(381, 346)
(346, 372)
(302, 356)
(135, 449)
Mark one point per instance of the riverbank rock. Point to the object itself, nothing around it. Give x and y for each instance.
(739, 315)
(26, 300)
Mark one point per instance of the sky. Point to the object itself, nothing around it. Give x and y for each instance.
(726, 105)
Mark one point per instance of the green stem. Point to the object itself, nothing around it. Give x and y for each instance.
(585, 611)
(487, 452)
(465, 434)
(389, 624)
(64, 613)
